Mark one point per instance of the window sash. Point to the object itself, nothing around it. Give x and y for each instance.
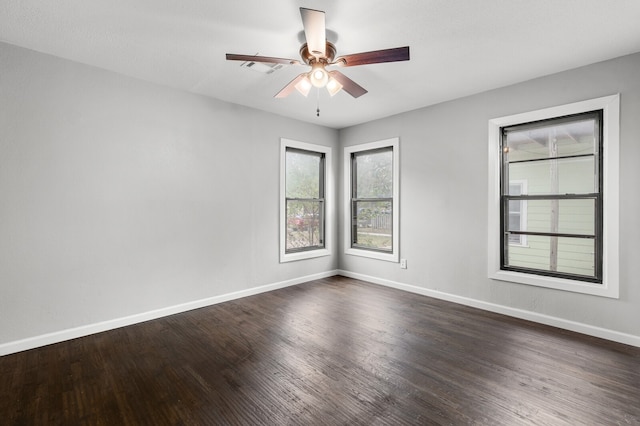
(321, 167)
(313, 226)
(380, 223)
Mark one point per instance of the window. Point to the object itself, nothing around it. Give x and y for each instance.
(371, 200)
(553, 217)
(561, 158)
(304, 187)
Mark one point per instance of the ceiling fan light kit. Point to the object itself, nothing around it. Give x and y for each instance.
(318, 75)
(319, 53)
(304, 85)
(333, 86)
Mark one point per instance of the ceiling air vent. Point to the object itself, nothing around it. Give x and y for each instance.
(262, 67)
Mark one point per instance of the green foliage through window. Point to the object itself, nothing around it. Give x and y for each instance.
(304, 197)
(372, 199)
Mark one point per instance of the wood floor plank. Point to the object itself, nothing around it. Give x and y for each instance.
(333, 351)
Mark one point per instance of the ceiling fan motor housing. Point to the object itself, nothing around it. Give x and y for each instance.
(309, 58)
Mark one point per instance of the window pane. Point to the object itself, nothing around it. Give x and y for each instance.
(563, 176)
(567, 255)
(552, 140)
(303, 175)
(374, 175)
(514, 225)
(304, 224)
(514, 220)
(571, 216)
(373, 225)
(515, 188)
(515, 207)
(515, 214)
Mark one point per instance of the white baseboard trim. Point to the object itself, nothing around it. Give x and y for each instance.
(73, 333)
(590, 330)
(85, 330)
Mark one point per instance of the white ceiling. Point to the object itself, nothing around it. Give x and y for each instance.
(458, 47)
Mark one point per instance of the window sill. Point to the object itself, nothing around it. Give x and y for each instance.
(302, 255)
(389, 257)
(556, 283)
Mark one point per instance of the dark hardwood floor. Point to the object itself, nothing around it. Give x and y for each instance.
(332, 352)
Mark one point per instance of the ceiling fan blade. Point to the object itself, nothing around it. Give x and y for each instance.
(286, 91)
(267, 59)
(314, 31)
(348, 85)
(375, 57)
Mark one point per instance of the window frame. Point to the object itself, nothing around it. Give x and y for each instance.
(349, 249)
(326, 183)
(596, 196)
(610, 107)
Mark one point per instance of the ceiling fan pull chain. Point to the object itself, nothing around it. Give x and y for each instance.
(318, 104)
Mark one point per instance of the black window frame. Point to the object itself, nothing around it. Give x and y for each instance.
(597, 196)
(321, 200)
(355, 200)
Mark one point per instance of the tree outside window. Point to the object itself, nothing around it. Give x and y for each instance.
(304, 198)
(372, 196)
(372, 200)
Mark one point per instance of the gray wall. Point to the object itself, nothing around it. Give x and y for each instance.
(443, 185)
(119, 197)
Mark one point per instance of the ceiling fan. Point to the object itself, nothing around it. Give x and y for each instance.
(319, 53)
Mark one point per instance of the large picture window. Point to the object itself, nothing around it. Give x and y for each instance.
(553, 211)
(372, 203)
(304, 203)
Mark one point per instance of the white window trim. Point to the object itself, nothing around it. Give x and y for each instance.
(394, 256)
(328, 204)
(611, 141)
